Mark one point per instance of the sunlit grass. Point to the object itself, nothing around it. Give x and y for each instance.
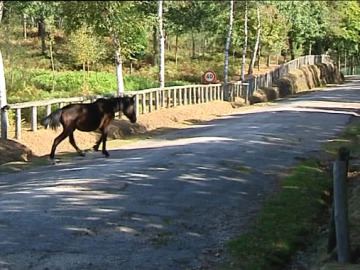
(290, 219)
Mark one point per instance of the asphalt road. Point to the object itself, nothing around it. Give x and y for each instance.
(171, 202)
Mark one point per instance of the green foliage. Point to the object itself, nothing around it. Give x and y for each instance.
(28, 85)
(110, 18)
(86, 48)
(274, 28)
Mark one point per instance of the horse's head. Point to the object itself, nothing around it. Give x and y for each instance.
(128, 108)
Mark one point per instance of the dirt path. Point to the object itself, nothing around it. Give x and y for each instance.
(165, 119)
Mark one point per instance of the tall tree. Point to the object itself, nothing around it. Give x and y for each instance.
(256, 47)
(228, 40)
(1, 10)
(3, 101)
(42, 12)
(242, 75)
(86, 49)
(274, 30)
(117, 19)
(162, 45)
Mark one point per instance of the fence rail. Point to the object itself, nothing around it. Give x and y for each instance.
(146, 101)
(155, 98)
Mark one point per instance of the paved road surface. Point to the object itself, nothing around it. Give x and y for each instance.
(169, 202)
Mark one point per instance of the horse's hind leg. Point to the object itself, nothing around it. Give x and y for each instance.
(58, 140)
(72, 142)
(104, 137)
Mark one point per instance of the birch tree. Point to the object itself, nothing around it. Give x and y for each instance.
(3, 101)
(256, 48)
(228, 40)
(162, 45)
(117, 19)
(1, 10)
(242, 75)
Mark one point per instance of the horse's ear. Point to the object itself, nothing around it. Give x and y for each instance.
(133, 97)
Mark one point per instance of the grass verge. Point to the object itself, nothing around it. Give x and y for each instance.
(290, 219)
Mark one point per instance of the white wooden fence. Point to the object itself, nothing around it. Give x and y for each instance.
(153, 99)
(146, 100)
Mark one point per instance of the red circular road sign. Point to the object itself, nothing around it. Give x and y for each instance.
(209, 76)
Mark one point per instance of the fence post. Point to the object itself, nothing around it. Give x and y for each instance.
(34, 118)
(18, 124)
(143, 103)
(341, 211)
(226, 90)
(48, 109)
(157, 100)
(150, 102)
(4, 121)
(137, 105)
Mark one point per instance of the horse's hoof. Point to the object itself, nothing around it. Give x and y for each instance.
(106, 154)
(53, 161)
(81, 153)
(96, 148)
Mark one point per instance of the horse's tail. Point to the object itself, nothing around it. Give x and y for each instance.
(52, 120)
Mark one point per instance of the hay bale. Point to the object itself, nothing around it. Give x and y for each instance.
(264, 94)
(11, 150)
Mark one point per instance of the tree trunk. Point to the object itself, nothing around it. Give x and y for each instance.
(176, 48)
(84, 78)
(228, 40)
(292, 48)
(3, 101)
(155, 46)
(193, 44)
(42, 34)
(259, 57)
(252, 63)
(242, 75)
(1, 10)
(60, 22)
(52, 62)
(118, 57)
(162, 45)
(33, 24)
(119, 74)
(24, 25)
(345, 64)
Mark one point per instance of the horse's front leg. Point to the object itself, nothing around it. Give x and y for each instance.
(97, 144)
(72, 142)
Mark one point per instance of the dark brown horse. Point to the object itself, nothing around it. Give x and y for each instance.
(88, 117)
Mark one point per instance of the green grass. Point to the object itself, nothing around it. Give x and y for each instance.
(288, 221)
(350, 139)
(36, 84)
